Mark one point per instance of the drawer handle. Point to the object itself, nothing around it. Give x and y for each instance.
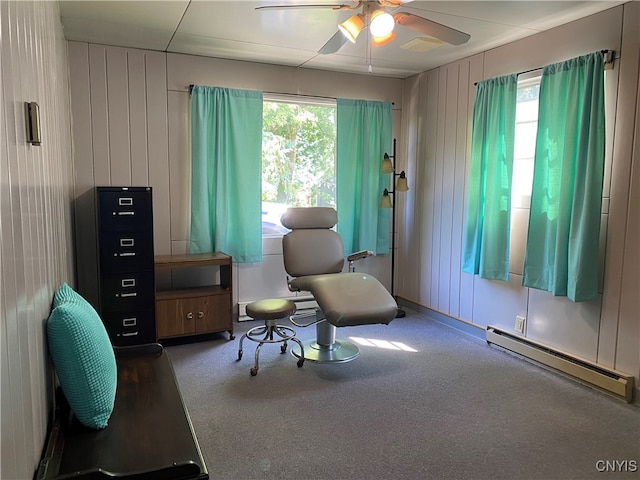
(127, 242)
(130, 334)
(128, 282)
(125, 201)
(124, 213)
(129, 322)
(132, 294)
(127, 254)
(189, 315)
(200, 314)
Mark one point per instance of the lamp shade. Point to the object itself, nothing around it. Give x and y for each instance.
(385, 201)
(387, 165)
(352, 27)
(382, 24)
(401, 184)
(379, 41)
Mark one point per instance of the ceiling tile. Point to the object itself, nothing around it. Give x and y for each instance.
(292, 37)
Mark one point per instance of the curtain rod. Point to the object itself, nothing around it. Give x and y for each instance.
(609, 57)
(284, 94)
(290, 95)
(303, 95)
(300, 95)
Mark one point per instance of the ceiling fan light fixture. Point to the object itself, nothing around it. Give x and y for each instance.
(379, 41)
(352, 27)
(382, 24)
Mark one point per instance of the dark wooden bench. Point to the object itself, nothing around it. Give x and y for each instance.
(149, 436)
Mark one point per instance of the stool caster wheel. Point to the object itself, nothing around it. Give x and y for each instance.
(300, 362)
(253, 371)
(239, 355)
(283, 348)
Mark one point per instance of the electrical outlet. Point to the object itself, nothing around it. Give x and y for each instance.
(519, 324)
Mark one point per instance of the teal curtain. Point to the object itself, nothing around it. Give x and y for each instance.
(226, 170)
(486, 234)
(363, 137)
(564, 224)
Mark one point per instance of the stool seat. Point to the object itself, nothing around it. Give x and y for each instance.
(270, 310)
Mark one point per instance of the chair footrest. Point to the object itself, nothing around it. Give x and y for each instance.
(349, 299)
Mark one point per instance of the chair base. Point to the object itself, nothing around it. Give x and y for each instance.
(341, 351)
(325, 348)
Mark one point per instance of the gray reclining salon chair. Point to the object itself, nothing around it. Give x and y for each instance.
(314, 258)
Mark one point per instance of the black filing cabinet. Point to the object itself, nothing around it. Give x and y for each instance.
(126, 280)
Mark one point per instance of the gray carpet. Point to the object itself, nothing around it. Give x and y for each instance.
(455, 408)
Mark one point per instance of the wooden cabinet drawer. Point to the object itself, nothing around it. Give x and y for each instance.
(213, 314)
(193, 315)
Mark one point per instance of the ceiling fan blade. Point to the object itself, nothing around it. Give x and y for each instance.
(332, 6)
(334, 44)
(431, 28)
(393, 3)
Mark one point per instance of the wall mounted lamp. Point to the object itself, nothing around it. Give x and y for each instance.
(401, 185)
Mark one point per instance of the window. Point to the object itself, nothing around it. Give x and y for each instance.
(298, 157)
(523, 157)
(525, 141)
(565, 138)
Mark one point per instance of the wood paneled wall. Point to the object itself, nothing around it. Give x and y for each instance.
(434, 212)
(440, 104)
(121, 136)
(131, 127)
(35, 224)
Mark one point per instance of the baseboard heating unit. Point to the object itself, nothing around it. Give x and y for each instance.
(614, 382)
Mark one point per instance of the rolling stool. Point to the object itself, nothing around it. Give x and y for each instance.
(270, 311)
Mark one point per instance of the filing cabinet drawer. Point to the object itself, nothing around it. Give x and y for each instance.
(122, 251)
(128, 210)
(127, 291)
(130, 328)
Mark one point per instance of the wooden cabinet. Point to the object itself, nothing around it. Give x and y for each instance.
(199, 310)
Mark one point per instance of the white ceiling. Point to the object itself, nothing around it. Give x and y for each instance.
(236, 30)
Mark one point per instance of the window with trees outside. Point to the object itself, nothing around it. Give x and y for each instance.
(525, 141)
(298, 157)
(523, 158)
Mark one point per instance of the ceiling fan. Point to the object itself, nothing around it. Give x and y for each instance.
(381, 23)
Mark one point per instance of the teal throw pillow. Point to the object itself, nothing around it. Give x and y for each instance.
(66, 294)
(83, 357)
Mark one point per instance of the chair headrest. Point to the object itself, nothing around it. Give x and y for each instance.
(309, 217)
